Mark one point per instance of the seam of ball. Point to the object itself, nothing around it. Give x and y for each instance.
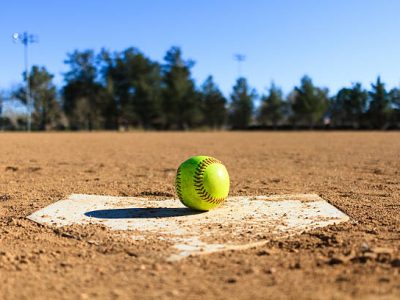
(178, 184)
(198, 181)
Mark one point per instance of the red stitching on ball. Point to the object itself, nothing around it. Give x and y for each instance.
(178, 182)
(198, 181)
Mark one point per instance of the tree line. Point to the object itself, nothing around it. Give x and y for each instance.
(127, 90)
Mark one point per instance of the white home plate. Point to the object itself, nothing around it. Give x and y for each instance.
(242, 222)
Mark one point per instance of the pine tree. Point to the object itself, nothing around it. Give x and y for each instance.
(394, 96)
(85, 100)
(309, 104)
(379, 109)
(241, 105)
(181, 103)
(349, 106)
(214, 104)
(272, 107)
(134, 83)
(47, 112)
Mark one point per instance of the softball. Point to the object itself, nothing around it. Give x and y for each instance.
(202, 183)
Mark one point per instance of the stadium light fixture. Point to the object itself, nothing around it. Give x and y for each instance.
(239, 58)
(25, 38)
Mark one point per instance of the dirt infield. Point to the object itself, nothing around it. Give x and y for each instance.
(357, 172)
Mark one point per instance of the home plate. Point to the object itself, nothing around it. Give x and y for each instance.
(240, 223)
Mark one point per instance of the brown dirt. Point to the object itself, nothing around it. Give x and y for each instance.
(357, 172)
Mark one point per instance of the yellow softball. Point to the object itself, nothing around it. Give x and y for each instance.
(202, 183)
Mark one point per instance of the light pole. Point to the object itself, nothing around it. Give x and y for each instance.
(25, 38)
(239, 58)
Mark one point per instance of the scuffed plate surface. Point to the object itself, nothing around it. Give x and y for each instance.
(242, 222)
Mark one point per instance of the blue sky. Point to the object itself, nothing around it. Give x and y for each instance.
(336, 42)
